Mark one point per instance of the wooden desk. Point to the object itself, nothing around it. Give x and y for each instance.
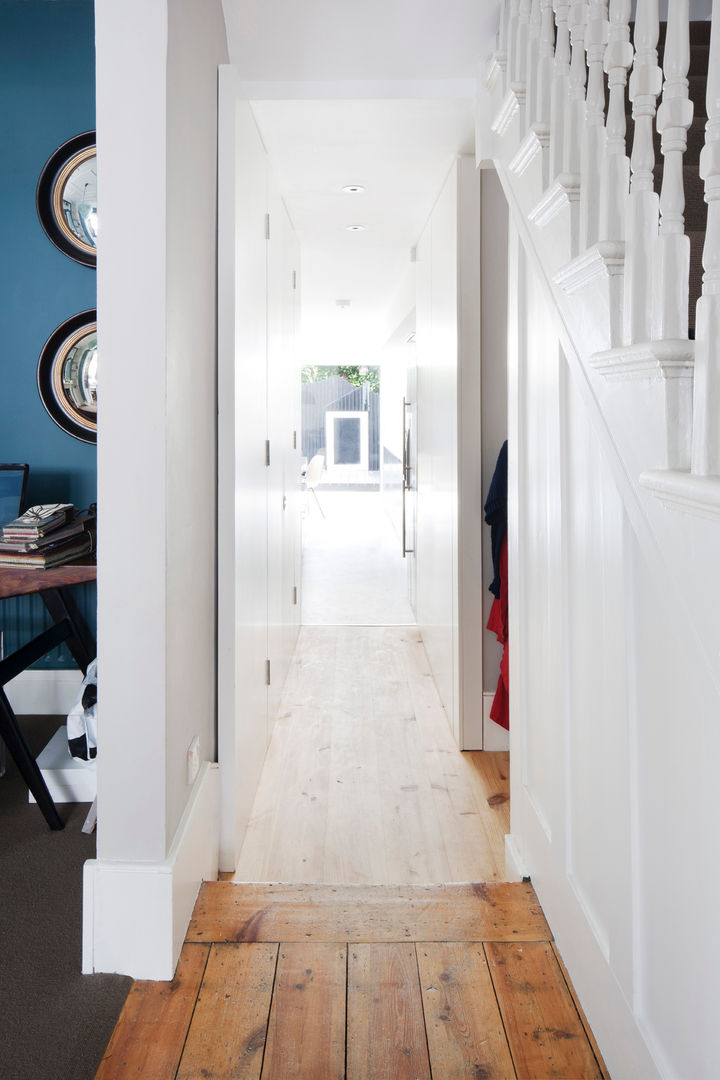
(53, 587)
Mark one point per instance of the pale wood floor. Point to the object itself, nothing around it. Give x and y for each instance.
(363, 782)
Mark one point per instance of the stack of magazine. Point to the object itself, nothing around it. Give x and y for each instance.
(48, 535)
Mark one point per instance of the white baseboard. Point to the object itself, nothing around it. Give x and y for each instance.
(515, 868)
(135, 915)
(44, 692)
(494, 736)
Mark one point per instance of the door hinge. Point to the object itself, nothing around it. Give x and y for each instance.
(294, 279)
(267, 226)
(267, 452)
(294, 594)
(294, 440)
(267, 672)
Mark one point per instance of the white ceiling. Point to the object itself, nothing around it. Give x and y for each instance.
(379, 94)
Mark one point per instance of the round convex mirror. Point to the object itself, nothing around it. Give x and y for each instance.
(67, 376)
(67, 198)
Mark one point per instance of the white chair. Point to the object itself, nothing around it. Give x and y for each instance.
(313, 473)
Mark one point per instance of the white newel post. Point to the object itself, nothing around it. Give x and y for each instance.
(593, 137)
(706, 404)
(673, 120)
(575, 115)
(616, 166)
(643, 203)
(559, 91)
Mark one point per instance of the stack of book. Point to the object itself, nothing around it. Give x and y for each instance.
(48, 535)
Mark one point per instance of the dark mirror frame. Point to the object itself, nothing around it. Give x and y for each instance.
(57, 166)
(49, 375)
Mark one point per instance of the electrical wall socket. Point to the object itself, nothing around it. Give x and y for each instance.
(193, 760)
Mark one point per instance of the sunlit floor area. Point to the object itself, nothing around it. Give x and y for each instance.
(353, 570)
(363, 782)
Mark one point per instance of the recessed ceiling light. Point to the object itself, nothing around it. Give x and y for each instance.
(354, 189)
(355, 228)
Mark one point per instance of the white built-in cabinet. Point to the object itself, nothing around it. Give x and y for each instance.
(258, 459)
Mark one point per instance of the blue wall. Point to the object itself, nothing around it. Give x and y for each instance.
(47, 95)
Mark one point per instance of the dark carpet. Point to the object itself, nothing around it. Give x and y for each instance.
(54, 1022)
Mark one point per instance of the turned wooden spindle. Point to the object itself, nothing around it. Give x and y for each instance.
(531, 64)
(615, 183)
(643, 203)
(575, 114)
(546, 64)
(674, 117)
(559, 89)
(593, 140)
(706, 401)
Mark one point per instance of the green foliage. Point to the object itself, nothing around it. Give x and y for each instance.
(354, 375)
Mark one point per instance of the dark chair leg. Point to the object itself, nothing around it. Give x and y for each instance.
(80, 643)
(18, 748)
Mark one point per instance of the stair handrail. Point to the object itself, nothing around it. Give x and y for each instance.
(643, 202)
(706, 391)
(674, 117)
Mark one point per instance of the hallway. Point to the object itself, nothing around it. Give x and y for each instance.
(363, 782)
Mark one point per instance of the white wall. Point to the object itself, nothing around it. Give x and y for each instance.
(156, 121)
(614, 735)
(449, 510)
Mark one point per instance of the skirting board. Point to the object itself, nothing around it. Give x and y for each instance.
(135, 915)
(44, 692)
(494, 737)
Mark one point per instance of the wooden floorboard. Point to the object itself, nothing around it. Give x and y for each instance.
(465, 1031)
(226, 911)
(386, 1028)
(149, 1037)
(306, 1035)
(227, 1034)
(544, 1031)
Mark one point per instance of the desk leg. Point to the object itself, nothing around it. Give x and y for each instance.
(80, 643)
(18, 748)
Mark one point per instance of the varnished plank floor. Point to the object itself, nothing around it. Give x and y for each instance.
(435, 982)
(363, 782)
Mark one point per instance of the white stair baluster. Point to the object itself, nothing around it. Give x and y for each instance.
(519, 83)
(575, 114)
(616, 167)
(643, 203)
(531, 65)
(593, 138)
(546, 63)
(501, 40)
(559, 91)
(706, 403)
(512, 21)
(673, 120)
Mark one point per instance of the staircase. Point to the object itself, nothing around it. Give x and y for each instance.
(609, 160)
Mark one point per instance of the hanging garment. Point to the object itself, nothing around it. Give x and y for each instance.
(496, 518)
(82, 718)
(498, 624)
(496, 515)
